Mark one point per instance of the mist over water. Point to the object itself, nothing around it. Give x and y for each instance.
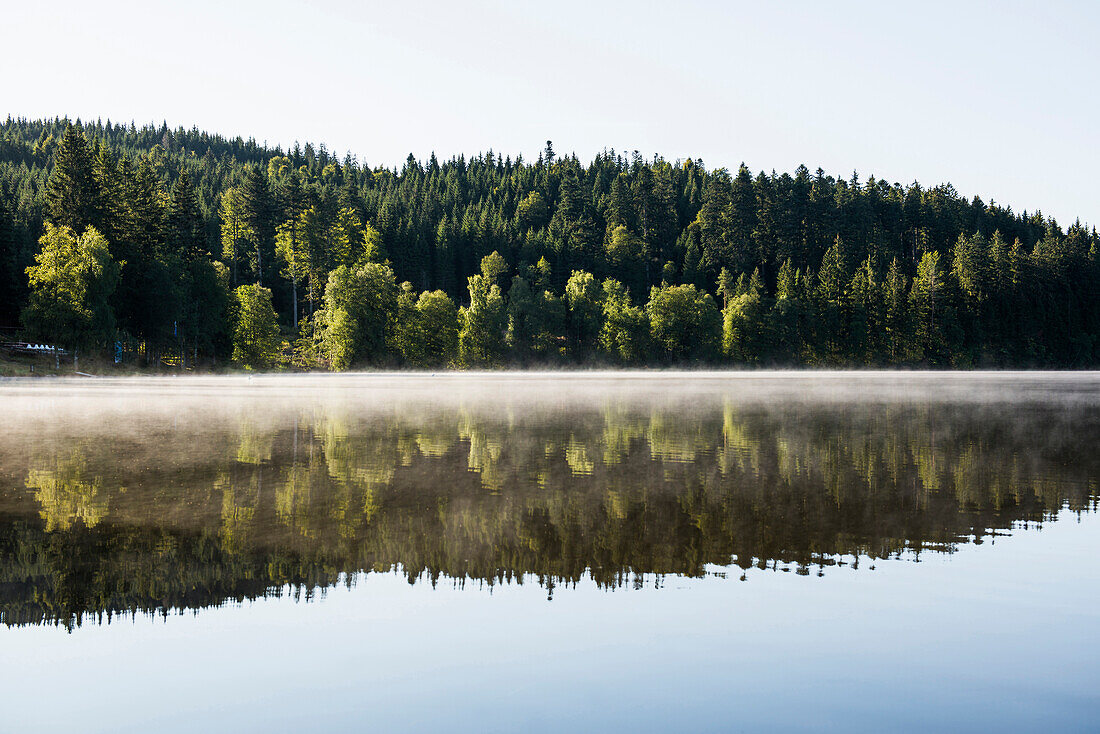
(687, 492)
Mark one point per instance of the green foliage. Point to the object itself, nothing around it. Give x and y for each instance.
(626, 256)
(351, 242)
(493, 266)
(685, 323)
(536, 320)
(864, 300)
(897, 319)
(625, 336)
(1009, 289)
(584, 295)
(233, 239)
(186, 237)
(427, 336)
(726, 288)
(256, 340)
(743, 327)
(256, 209)
(12, 271)
(311, 230)
(204, 326)
(532, 210)
(481, 338)
(291, 251)
(924, 298)
(359, 314)
(72, 192)
(829, 296)
(341, 338)
(71, 284)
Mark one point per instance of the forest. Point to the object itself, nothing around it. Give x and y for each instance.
(174, 248)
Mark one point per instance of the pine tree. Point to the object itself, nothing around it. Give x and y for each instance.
(829, 297)
(925, 297)
(896, 317)
(10, 276)
(186, 232)
(148, 299)
(864, 314)
(71, 192)
(742, 220)
(788, 315)
(257, 216)
(232, 230)
(715, 225)
(638, 222)
(620, 212)
(291, 249)
(726, 289)
(111, 197)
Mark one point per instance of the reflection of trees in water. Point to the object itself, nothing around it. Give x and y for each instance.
(239, 503)
(360, 464)
(611, 492)
(65, 492)
(254, 445)
(485, 450)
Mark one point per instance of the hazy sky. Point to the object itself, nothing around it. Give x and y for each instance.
(1000, 98)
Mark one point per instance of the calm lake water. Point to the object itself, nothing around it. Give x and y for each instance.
(587, 552)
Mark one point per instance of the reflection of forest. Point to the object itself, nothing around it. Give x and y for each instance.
(241, 511)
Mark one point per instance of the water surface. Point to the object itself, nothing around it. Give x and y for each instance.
(601, 552)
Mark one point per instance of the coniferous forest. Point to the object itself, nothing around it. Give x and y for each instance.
(156, 246)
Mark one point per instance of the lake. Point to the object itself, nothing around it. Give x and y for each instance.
(704, 552)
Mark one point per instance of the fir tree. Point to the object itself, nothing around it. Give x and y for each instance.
(71, 192)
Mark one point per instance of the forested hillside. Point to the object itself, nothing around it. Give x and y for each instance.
(154, 245)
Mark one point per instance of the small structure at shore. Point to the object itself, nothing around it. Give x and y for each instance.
(26, 349)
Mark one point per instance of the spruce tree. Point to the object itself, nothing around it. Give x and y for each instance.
(897, 318)
(257, 214)
(186, 233)
(71, 192)
(10, 277)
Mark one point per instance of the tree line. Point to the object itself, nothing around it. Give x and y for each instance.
(167, 245)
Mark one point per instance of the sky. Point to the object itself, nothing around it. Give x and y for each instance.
(999, 98)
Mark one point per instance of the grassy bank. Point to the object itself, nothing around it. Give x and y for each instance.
(45, 366)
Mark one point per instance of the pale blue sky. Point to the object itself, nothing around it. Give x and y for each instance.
(1000, 98)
